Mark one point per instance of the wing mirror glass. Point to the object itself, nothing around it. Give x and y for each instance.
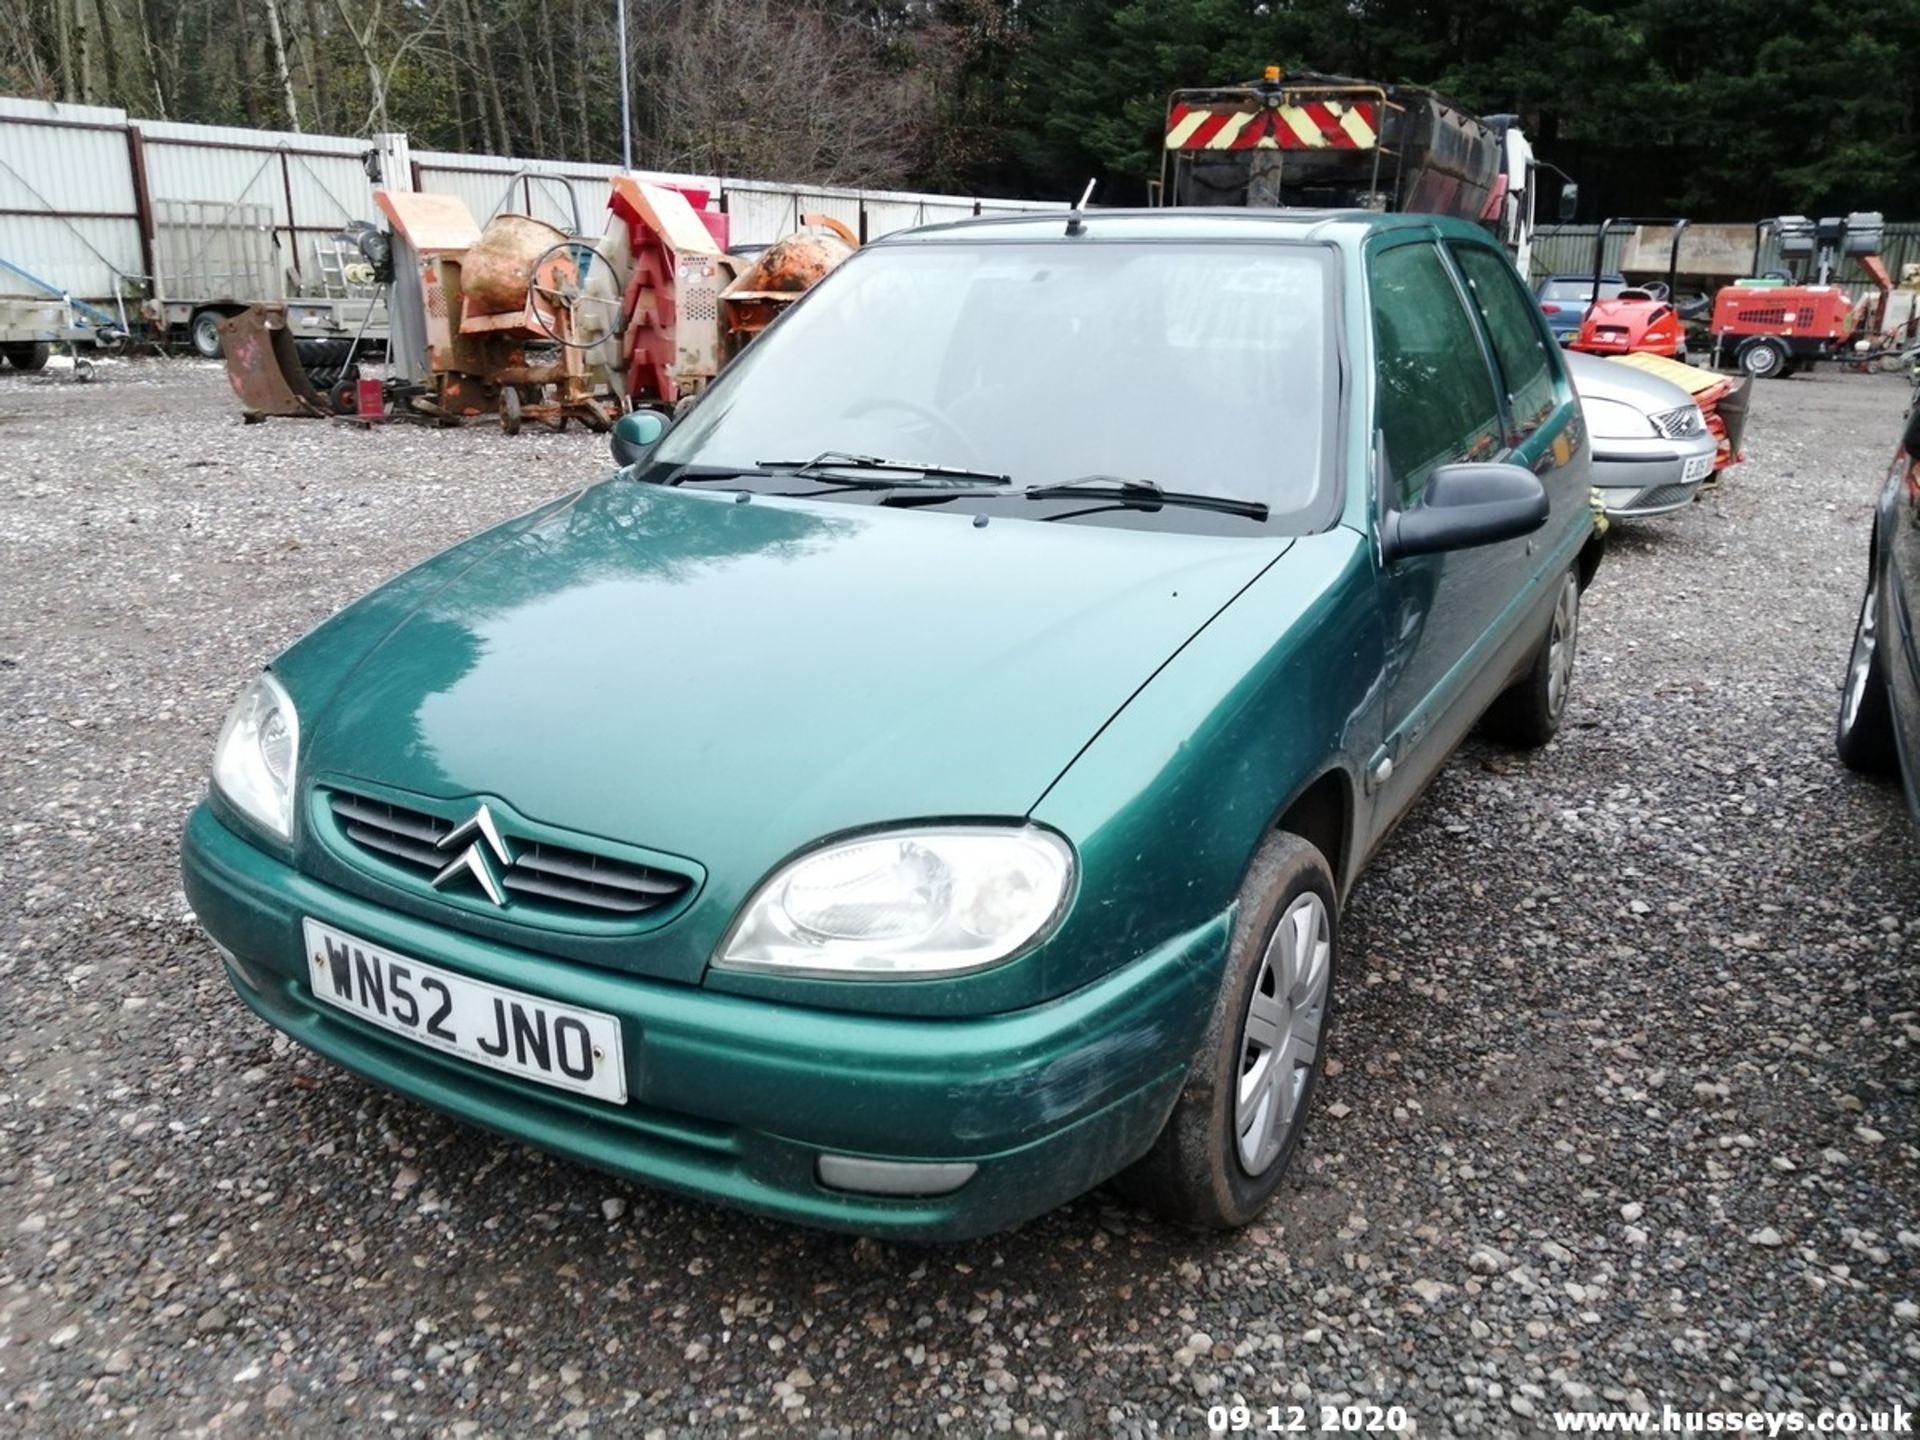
(1569, 201)
(634, 436)
(1911, 441)
(1467, 505)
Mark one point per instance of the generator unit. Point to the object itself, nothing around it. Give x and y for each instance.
(1775, 324)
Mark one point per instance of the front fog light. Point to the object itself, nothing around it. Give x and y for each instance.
(253, 761)
(905, 903)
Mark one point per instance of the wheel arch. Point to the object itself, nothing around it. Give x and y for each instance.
(1587, 563)
(1321, 812)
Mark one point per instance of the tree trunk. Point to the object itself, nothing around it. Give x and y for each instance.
(530, 93)
(109, 54)
(376, 80)
(319, 75)
(492, 78)
(583, 130)
(85, 55)
(150, 53)
(243, 61)
(63, 38)
(280, 71)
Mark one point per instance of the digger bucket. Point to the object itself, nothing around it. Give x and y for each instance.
(264, 367)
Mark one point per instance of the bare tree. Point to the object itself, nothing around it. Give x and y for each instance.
(793, 91)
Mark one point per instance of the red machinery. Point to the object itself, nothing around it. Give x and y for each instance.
(1772, 326)
(1641, 319)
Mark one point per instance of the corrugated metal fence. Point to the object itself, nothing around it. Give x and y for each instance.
(102, 206)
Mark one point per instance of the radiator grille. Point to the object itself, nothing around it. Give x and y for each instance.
(1679, 423)
(545, 876)
(1660, 498)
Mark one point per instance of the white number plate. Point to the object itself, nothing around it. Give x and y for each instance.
(1698, 468)
(557, 1045)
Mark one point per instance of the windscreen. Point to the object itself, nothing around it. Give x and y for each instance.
(1580, 290)
(1201, 367)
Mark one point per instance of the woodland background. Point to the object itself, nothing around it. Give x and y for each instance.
(1721, 109)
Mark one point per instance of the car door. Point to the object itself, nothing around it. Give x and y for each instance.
(1448, 391)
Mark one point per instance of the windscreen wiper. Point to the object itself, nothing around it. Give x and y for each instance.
(826, 461)
(1143, 495)
(708, 474)
(1108, 490)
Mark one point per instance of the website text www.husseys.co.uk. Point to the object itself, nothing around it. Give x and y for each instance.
(1671, 1420)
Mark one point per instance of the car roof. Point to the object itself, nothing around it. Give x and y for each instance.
(1181, 223)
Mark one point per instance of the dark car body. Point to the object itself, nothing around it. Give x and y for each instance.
(1879, 727)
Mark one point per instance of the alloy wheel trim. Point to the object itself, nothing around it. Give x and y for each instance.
(1280, 1032)
(1860, 663)
(1562, 644)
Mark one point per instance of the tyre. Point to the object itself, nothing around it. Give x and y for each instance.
(322, 354)
(1528, 713)
(1864, 736)
(27, 354)
(204, 333)
(510, 410)
(344, 394)
(1226, 1146)
(1764, 359)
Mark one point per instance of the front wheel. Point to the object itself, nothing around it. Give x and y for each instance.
(1865, 732)
(1225, 1147)
(1528, 714)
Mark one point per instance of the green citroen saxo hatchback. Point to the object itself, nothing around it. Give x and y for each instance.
(922, 783)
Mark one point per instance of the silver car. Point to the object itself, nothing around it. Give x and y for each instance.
(1651, 447)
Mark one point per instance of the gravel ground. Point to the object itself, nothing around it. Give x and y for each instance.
(1622, 1109)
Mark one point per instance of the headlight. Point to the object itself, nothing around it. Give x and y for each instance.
(1617, 421)
(905, 904)
(253, 761)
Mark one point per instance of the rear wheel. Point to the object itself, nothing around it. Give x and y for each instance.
(27, 354)
(1764, 359)
(204, 331)
(1528, 714)
(1225, 1147)
(1865, 733)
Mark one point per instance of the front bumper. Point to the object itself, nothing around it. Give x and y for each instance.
(736, 1099)
(1638, 478)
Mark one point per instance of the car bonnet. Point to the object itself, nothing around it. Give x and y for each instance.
(731, 682)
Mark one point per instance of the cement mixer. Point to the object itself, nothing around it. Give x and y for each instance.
(526, 321)
(781, 274)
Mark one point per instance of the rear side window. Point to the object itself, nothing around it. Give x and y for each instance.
(1436, 401)
(1525, 367)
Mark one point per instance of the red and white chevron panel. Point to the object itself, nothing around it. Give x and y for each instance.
(1315, 125)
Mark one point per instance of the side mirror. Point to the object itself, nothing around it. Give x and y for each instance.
(1469, 504)
(1910, 442)
(1569, 201)
(634, 436)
